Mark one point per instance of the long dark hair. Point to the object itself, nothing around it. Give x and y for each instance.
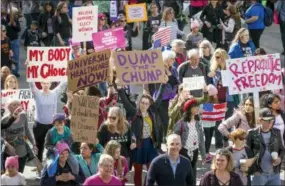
(268, 99)
(188, 115)
(49, 4)
(249, 117)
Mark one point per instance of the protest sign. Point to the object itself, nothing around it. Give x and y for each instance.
(26, 98)
(84, 23)
(254, 74)
(163, 34)
(88, 70)
(109, 39)
(47, 63)
(194, 83)
(84, 118)
(139, 67)
(136, 12)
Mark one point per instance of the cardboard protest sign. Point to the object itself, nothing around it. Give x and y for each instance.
(194, 83)
(47, 63)
(25, 96)
(109, 39)
(84, 23)
(84, 118)
(254, 74)
(136, 12)
(139, 67)
(88, 70)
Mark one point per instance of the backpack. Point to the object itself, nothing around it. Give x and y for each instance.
(268, 16)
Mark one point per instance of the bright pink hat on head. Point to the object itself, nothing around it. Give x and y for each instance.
(101, 15)
(212, 90)
(61, 147)
(195, 24)
(12, 161)
(73, 43)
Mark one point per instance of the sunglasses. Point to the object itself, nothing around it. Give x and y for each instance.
(242, 138)
(112, 117)
(218, 57)
(3, 30)
(122, 21)
(103, 19)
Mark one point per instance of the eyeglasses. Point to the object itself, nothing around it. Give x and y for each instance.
(3, 30)
(112, 117)
(103, 19)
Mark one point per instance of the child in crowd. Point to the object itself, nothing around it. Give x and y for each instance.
(12, 176)
(33, 36)
(194, 38)
(77, 51)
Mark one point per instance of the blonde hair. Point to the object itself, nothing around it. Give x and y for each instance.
(229, 157)
(122, 124)
(214, 64)
(11, 76)
(104, 158)
(110, 149)
(241, 32)
(206, 43)
(237, 133)
(166, 12)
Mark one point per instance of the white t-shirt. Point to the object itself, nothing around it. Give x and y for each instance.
(279, 124)
(192, 142)
(19, 179)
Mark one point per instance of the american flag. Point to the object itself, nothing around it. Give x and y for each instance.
(164, 35)
(214, 112)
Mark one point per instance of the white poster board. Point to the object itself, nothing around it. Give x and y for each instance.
(194, 83)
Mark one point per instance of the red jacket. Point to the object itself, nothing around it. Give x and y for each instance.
(199, 3)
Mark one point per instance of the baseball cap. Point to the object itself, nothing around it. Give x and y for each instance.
(266, 114)
(58, 117)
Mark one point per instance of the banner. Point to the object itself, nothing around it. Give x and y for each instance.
(254, 74)
(213, 112)
(109, 39)
(47, 63)
(194, 83)
(163, 34)
(84, 118)
(139, 67)
(136, 12)
(88, 70)
(25, 96)
(84, 23)
(113, 11)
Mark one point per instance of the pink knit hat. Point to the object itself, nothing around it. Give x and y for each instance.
(61, 147)
(73, 43)
(12, 161)
(212, 90)
(195, 24)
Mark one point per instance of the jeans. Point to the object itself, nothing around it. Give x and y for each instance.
(282, 30)
(266, 179)
(15, 44)
(103, 88)
(255, 35)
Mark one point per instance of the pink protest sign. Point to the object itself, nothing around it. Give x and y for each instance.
(109, 39)
(254, 74)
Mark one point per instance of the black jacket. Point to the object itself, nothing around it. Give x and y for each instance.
(256, 143)
(129, 33)
(43, 18)
(209, 179)
(137, 119)
(160, 171)
(12, 30)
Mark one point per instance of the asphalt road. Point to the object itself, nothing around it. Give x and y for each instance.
(270, 41)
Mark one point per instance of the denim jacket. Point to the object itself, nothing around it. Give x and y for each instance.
(181, 128)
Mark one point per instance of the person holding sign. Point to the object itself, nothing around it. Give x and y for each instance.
(46, 106)
(62, 25)
(244, 118)
(18, 132)
(146, 128)
(116, 128)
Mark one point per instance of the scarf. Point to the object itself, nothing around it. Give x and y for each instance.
(58, 137)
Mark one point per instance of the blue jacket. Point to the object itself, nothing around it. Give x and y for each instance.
(235, 50)
(255, 10)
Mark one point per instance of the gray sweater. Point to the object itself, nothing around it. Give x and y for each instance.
(16, 133)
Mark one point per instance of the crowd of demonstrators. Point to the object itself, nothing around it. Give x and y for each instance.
(131, 128)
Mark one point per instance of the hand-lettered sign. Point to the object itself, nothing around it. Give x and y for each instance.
(139, 67)
(84, 118)
(84, 23)
(136, 12)
(88, 70)
(47, 63)
(109, 39)
(194, 83)
(254, 74)
(26, 98)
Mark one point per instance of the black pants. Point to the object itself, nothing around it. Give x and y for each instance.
(282, 31)
(40, 131)
(163, 113)
(255, 35)
(22, 162)
(194, 10)
(184, 153)
(208, 137)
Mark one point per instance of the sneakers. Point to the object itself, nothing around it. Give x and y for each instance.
(209, 158)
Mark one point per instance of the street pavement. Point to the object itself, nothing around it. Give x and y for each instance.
(270, 41)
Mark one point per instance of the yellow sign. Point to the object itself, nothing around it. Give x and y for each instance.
(136, 12)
